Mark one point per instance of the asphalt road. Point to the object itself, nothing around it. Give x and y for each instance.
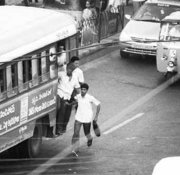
(139, 122)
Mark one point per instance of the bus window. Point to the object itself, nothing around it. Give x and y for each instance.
(67, 47)
(39, 65)
(48, 63)
(9, 79)
(27, 76)
(29, 72)
(43, 67)
(52, 59)
(14, 78)
(73, 45)
(34, 71)
(2, 84)
(20, 76)
(11, 76)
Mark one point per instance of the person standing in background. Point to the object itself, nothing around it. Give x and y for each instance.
(89, 16)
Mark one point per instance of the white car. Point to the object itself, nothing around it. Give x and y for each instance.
(140, 34)
(167, 166)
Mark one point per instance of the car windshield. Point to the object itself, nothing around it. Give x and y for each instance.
(154, 12)
(170, 31)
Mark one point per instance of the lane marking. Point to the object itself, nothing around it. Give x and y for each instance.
(123, 123)
(115, 119)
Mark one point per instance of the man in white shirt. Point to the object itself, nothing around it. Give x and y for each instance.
(84, 116)
(66, 84)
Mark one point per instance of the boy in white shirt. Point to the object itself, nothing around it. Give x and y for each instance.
(84, 116)
(77, 72)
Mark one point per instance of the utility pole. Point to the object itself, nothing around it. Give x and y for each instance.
(99, 21)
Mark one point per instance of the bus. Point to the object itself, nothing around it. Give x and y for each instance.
(30, 42)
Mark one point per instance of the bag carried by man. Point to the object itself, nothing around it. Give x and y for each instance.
(96, 129)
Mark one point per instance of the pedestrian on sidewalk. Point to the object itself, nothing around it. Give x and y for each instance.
(137, 4)
(66, 84)
(84, 116)
(89, 16)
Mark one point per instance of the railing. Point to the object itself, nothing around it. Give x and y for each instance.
(109, 22)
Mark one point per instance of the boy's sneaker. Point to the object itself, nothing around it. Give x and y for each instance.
(89, 142)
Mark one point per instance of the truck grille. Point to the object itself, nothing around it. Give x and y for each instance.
(140, 51)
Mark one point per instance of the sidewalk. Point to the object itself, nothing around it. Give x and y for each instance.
(114, 38)
(98, 46)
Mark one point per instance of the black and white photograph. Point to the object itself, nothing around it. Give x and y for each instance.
(90, 87)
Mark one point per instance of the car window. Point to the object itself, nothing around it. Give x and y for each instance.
(154, 12)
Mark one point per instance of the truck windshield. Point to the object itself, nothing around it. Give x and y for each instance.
(154, 12)
(170, 32)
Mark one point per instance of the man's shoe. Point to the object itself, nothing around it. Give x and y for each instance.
(89, 143)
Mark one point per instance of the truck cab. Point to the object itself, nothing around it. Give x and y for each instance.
(168, 47)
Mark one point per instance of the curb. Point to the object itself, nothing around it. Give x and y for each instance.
(85, 54)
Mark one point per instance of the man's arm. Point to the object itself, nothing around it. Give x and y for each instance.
(97, 112)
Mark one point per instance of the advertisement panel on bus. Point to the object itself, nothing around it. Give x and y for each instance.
(16, 115)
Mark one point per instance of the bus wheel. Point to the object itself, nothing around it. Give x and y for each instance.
(124, 54)
(33, 144)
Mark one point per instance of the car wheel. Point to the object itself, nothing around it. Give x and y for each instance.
(124, 54)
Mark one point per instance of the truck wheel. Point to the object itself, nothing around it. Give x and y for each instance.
(32, 145)
(168, 75)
